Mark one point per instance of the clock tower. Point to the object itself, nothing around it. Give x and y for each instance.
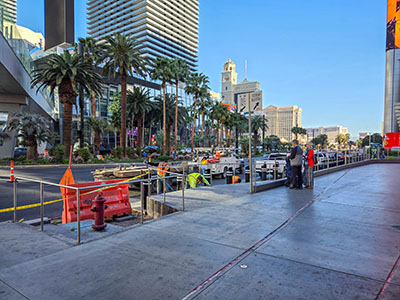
(229, 79)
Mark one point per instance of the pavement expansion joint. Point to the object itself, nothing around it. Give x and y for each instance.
(14, 289)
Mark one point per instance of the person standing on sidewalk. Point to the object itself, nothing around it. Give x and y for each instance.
(309, 167)
(296, 161)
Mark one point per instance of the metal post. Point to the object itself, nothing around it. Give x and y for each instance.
(78, 215)
(250, 154)
(141, 202)
(183, 192)
(327, 164)
(275, 169)
(41, 206)
(234, 172)
(345, 157)
(15, 199)
(162, 212)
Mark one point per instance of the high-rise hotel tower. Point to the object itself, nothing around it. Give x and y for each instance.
(165, 28)
(392, 81)
(8, 11)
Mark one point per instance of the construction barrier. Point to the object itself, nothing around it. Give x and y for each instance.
(117, 200)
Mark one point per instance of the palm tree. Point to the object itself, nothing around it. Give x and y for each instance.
(298, 130)
(122, 55)
(180, 72)
(204, 105)
(219, 113)
(33, 129)
(162, 71)
(257, 123)
(170, 105)
(66, 72)
(137, 102)
(91, 51)
(99, 126)
(197, 85)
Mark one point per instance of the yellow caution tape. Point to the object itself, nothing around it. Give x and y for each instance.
(58, 200)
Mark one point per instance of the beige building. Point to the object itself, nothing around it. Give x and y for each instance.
(230, 88)
(281, 120)
(331, 131)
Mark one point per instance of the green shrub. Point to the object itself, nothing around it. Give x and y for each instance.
(20, 158)
(58, 153)
(84, 153)
(117, 153)
(164, 158)
(130, 152)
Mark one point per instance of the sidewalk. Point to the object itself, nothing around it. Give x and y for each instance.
(338, 241)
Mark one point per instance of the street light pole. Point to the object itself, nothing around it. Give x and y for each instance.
(250, 154)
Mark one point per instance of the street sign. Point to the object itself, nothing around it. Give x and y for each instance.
(256, 101)
(243, 103)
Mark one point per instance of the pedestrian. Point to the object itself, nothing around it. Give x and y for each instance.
(309, 167)
(296, 161)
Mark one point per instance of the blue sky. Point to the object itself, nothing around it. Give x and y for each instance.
(327, 57)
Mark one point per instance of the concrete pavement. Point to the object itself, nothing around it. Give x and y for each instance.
(339, 241)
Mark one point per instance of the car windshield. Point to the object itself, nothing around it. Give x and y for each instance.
(277, 156)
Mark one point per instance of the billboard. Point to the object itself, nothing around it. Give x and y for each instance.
(391, 141)
(392, 29)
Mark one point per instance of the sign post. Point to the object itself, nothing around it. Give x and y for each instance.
(250, 156)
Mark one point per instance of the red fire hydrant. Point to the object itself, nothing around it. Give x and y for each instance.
(98, 208)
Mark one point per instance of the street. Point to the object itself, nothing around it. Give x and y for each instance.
(28, 192)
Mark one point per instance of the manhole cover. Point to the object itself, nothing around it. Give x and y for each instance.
(397, 227)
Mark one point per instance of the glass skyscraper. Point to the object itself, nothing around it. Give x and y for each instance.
(165, 28)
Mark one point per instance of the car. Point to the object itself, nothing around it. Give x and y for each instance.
(19, 151)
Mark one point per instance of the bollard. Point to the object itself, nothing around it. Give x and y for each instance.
(183, 192)
(275, 169)
(98, 208)
(263, 174)
(229, 174)
(337, 159)
(247, 174)
(158, 186)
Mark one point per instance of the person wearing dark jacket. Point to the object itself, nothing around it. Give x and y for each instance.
(296, 161)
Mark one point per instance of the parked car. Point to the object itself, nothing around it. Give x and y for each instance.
(19, 151)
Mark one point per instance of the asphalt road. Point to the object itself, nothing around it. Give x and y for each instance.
(28, 192)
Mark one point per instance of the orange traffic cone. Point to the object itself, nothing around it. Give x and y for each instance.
(12, 171)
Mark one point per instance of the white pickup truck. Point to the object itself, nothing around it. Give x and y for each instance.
(220, 168)
(277, 159)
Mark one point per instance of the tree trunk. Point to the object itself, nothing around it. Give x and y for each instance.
(115, 138)
(150, 133)
(169, 129)
(194, 120)
(143, 133)
(67, 128)
(97, 141)
(176, 117)
(217, 134)
(202, 127)
(31, 154)
(123, 115)
(139, 130)
(230, 137)
(164, 121)
(82, 117)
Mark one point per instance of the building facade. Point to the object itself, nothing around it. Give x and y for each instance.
(8, 11)
(331, 131)
(230, 88)
(165, 28)
(281, 120)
